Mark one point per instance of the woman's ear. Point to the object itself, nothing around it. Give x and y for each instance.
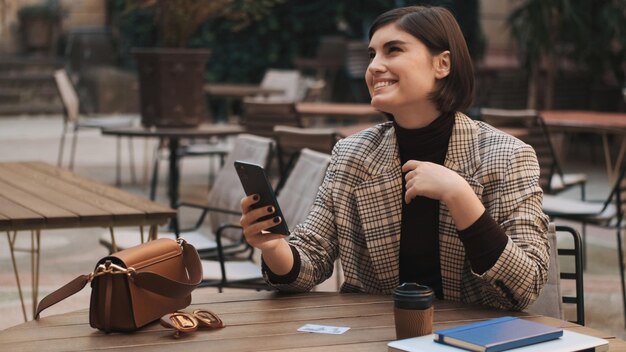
(441, 63)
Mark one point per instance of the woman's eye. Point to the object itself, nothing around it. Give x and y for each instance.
(371, 55)
(393, 49)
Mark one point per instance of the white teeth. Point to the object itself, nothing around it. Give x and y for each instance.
(383, 84)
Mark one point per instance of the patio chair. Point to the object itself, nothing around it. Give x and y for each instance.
(551, 179)
(551, 299)
(291, 140)
(608, 214)
(295, 199)
(261, 117)
(222, 205)
(357, 61)
(328, 60)
(73, 121)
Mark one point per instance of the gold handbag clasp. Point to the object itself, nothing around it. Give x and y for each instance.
(109, 268)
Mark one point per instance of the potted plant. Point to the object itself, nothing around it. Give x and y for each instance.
(39, 25)
(171, 76)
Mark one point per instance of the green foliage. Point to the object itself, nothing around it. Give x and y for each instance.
(49, 9)
(274, 35)
(590, 33)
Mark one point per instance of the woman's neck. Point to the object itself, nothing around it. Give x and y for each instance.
(412, 118)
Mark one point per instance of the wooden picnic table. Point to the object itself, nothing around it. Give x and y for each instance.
(36, 196)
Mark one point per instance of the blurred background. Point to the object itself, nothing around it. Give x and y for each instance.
(556, 54)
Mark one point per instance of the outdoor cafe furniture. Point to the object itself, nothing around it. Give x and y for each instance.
(36, 196)
(265, 321)
(174, 135)
(602, 123)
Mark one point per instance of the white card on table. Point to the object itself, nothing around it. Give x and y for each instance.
(323, 329)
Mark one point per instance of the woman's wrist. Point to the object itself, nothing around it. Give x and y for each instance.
(279, 258)
(463, 204)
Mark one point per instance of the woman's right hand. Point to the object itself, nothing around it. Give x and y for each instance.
(255, 232)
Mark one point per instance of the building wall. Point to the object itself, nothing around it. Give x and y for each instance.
(77, 13)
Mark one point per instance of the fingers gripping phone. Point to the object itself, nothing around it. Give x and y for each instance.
(254, 181)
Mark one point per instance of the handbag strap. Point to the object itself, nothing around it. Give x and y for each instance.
(147, 280)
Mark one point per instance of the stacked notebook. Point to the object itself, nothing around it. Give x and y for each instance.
(501, 334)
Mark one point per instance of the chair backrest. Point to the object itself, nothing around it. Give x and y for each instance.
(68, 95)
(288, 80)
(331, 51)
(260, 117)
(297, 195)
(291, 140)
(536, 135)
(357, 59)
(227, 192)
(551, 299)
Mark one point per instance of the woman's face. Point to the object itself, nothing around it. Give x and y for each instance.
(401, 74)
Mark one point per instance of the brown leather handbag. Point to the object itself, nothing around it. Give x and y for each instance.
(136, 286)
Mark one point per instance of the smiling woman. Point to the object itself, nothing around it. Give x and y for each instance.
(431, 197)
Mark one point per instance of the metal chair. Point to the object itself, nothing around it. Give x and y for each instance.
(329, 59)
(608, 214)
(551, 299)
(551, 179)
(261, 117)
(222, 205)
(295, 199)
(73, 121)
(291, 140)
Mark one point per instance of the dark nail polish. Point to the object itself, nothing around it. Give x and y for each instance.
(255, 197)
(276, 219)
(270, 209)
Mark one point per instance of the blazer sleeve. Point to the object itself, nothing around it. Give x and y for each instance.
(316, 239)
(517, 277)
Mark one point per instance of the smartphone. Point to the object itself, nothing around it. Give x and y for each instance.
(254, 181)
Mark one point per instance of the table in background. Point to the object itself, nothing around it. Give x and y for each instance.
(263, 321)
(349, 111)
(232, 92)
(36, 196)
(603, 123)
(173, 135)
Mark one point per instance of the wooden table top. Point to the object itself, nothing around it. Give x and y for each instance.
(605, 122)
(262, 321)
(337, 109)
(239, 90)
(202, 131)
(36, 195)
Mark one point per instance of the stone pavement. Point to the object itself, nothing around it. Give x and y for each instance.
(66, 254)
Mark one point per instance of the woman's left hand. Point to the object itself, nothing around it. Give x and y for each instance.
(431, 180)
(438, 182)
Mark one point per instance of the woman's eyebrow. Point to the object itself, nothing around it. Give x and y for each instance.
(388, 44)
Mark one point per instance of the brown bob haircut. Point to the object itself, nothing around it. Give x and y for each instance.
(439, 31)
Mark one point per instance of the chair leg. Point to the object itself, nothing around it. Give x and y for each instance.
(118, 161)
(73, 152)
(61, 147)
(620, 256)
(155, 175)
(584, 233)
(131, 160)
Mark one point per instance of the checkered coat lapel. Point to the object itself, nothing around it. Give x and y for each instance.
(379, 205)
(463, 157)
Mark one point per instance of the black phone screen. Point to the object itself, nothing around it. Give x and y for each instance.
(255, 181)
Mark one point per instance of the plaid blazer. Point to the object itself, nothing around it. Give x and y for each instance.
(357, 214)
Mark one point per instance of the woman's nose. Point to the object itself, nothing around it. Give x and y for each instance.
(376, 65)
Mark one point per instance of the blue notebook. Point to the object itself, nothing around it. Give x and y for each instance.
(499, 334)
